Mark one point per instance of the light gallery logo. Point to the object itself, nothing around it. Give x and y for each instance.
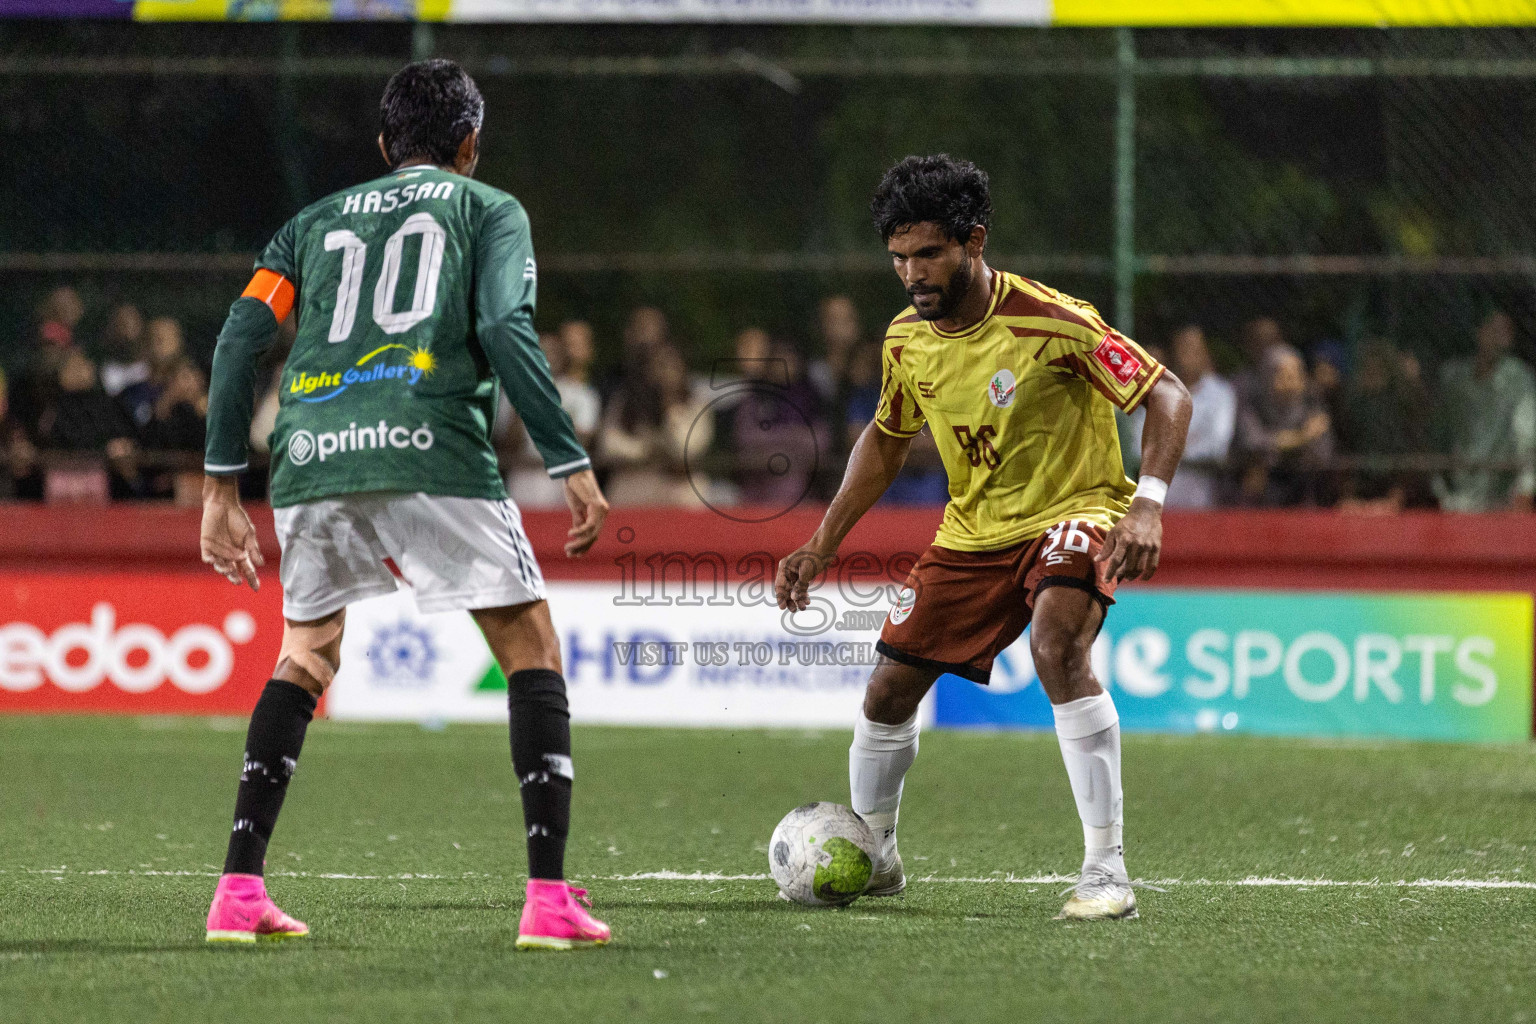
(372, 369)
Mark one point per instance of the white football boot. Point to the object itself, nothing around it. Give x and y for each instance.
(1102, 893)
(888, 877)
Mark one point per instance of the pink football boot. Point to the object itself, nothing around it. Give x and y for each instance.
(242, 912)
(553, 919)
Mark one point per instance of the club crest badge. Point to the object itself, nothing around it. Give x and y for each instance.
(903, 606)
(1001, 389)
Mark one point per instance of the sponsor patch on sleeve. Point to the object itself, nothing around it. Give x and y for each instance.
(1117, 359)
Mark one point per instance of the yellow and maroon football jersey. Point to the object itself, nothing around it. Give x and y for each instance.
(1021, 405)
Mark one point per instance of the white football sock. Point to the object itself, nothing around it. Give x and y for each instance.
(1088, 730)
(877, 764)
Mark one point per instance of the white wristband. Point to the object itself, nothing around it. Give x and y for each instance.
(1151, 488)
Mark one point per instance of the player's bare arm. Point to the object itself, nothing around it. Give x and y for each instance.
(873, 465)
(228, 539)
(1133, 547)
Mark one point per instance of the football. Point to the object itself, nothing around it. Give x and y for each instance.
(821, 855)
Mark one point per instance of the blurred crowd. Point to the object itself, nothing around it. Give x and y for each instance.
(1364, 427)
(1361, 427)
(118, 415)
(765, 427)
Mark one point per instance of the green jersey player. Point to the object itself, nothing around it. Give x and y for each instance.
(414, 296)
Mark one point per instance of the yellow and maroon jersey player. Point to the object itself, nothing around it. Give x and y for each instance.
(1025, 421)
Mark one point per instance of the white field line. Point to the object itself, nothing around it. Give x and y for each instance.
(1251, 882)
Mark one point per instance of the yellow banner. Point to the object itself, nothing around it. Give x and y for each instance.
(1401, 13)
(1368, 13)
(291, 10)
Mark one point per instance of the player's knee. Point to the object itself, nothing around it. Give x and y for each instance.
(311, 653)
(315, 673)
(879, 702)
(1058, 657)
(889, 702)
(538, 654)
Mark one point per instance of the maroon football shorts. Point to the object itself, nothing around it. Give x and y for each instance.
(959, 609)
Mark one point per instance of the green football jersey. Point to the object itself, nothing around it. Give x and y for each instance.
(413, 293)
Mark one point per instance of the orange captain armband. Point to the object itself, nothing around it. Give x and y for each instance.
(274, 289)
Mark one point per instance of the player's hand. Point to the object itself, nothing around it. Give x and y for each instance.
(588, 510)
(228, 539)
(796, 573)
(1131, 550)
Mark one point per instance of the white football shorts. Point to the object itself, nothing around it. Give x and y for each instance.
(454, 553)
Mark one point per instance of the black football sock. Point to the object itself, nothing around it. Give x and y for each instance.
(541, 756)
(272, 745)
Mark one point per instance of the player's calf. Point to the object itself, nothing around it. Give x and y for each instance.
(554, 916)
(241, 911)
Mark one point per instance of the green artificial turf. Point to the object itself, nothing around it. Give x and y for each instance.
(111, 832)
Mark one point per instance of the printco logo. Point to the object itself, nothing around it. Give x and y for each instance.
(304, 446)
(136, 657)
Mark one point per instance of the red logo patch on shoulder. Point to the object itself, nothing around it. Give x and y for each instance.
(1117, 359)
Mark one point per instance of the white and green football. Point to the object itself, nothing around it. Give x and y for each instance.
(821, 855)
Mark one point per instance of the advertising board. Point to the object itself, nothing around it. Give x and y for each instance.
(1426, 666)
(137, 643)
(1448, 666)
(625, 663)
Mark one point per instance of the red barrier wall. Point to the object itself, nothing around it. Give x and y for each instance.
(1328, 550)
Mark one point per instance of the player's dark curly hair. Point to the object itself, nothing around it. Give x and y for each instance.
(951, 193)
(427, 110)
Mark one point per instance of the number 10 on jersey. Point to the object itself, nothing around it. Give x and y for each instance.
(354, 255)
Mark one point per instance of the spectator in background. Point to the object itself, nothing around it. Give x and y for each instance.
(80, 417)
(1284, 437)
(1330, 363)
(922, 480)
(645, 329)
(1211, 425)
(838, 320)
(569, 352)
(58, 315)
(180, 414)
(20, 474)
(1382, 414)
(1259, 336)
(778, 434)
(863, 392)
(577, 395)
(840, 334)
(1488, 406)
(164, 352)
(164, 345)
(645, 434)
(122, 345)
(177, 427)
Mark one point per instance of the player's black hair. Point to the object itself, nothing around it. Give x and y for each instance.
(951, 193)
(427, 110)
